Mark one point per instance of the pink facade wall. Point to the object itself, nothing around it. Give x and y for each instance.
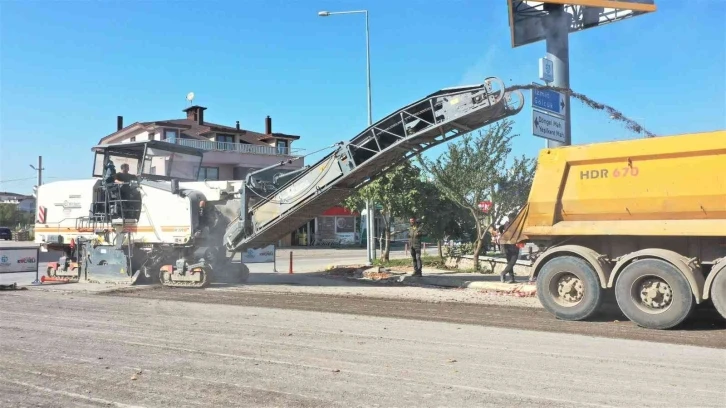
(217, 159)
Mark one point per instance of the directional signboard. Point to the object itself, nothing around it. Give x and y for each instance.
(548, 126)
(549, 100)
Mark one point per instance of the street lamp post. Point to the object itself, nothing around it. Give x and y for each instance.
(370, 241)
(39, 169)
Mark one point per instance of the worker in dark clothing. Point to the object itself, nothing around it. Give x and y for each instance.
(128, 194)
(511, 251)
(414, 240)
(124, 176)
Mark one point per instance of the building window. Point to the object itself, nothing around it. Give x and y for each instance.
(133, 139)
(208, 173)
(344, 225)
(226, 142)
(281, 146)
(169, 134)
(225, 138)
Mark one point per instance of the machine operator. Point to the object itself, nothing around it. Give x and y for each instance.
(128, 194)
(124, 176)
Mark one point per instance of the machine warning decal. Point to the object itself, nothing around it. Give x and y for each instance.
(617, 172)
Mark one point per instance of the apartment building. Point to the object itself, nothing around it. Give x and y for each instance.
(230, 153)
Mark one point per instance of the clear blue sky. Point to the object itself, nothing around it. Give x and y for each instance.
(68, 68)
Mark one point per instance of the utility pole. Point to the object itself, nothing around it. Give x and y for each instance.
(39, 169)
(558, 51)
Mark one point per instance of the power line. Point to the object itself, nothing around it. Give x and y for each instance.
(20, 179)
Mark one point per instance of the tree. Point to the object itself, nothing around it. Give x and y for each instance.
(9, 215)
(475, 170)
(442, 217)
(397, 192)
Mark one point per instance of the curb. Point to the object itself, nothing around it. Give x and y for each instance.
(521, 289)
(375, 274)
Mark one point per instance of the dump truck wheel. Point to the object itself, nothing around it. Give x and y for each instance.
(718, 293)
(569, 288)
(654, 294)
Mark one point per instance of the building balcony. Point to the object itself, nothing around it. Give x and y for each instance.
(210, 145)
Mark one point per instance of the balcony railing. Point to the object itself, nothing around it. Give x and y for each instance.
(235, 147)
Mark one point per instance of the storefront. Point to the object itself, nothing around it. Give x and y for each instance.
(336, 225)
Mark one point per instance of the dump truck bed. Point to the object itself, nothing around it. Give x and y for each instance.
(665, 186)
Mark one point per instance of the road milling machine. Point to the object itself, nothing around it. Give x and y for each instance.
(167, 226)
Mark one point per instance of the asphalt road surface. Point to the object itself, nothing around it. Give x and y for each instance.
(706, 328)
(179, 348)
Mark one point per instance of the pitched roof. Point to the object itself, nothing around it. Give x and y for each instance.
(278, 135)
(194, 130)
(191, 129)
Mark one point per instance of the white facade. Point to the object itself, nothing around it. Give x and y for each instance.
(230, 152)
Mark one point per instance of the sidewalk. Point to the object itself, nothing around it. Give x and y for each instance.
(440, 278)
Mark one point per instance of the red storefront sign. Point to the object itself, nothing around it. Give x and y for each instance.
(338, 211)
(485, 206)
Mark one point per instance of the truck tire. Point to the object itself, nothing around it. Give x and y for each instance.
(718, 293)
(569, 288)
(654, 294)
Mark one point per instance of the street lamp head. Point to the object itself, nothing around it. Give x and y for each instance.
(323, 13)
(32, 167)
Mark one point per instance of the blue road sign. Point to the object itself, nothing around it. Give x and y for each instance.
(551, 101)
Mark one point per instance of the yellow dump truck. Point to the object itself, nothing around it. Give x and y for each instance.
(645, 218)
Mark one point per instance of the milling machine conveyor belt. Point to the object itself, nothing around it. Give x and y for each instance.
(433, 120)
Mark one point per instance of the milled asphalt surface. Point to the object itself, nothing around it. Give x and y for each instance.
(76, 349)
(311, 340)
(705, 328)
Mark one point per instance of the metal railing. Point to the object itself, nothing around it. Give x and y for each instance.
(235, 147)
